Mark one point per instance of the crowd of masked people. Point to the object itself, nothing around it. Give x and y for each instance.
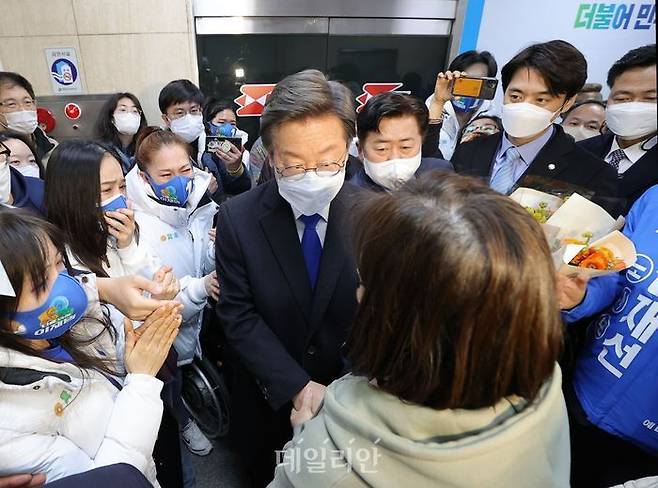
(390, 316)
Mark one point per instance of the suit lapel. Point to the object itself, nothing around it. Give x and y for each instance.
(549, 162)
(641, 175)
(334, 254)
(279, 227)
(482, 161)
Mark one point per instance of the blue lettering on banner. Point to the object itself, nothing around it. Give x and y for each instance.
(603, 16)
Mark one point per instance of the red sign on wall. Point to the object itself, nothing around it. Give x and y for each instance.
(252, 100)
(372, 89)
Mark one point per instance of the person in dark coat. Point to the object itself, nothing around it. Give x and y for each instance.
(391, 128)
(287, 274)
(629, 146)
(539, 84)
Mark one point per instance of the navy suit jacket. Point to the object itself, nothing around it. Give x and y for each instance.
(282, 331)
(637, 179)
(27, 192)
(560, 166)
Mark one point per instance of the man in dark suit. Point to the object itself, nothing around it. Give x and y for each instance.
(287, 274)
(390, 129)
(539, 84)
(630, 145)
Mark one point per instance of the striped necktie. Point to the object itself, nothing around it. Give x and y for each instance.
(503, 180)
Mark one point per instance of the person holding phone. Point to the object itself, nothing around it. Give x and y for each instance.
(540, 83)
(181, 104)
(225, 143)
(450, 114)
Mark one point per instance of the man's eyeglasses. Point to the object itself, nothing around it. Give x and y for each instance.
(13, 105)
(323, 169)
(179, 114)
(124, 110)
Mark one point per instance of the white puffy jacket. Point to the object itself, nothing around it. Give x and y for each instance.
(58, 419)
(179, 236)
(136, 259)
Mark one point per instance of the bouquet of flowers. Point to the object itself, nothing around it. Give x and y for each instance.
(582, 236)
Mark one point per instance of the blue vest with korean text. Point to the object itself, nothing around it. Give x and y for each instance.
(616, 377)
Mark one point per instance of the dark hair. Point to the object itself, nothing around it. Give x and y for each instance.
(467, 313)
(578, 105)
(20, 228)
(179, 91)
(27, 140)
(390, 104)
(106, 131)
(303, 95)
(72, 200)
(469, 58)
(561, 65)
(8, 78)
(213, 107)
(152, 139)
(640, 57)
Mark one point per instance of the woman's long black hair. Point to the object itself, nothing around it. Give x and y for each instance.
(24, 254)
(72, 199)
(105, 128)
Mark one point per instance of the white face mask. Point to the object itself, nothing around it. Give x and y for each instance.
(188, 128)
(5, 182)
(242, 135)
(580, 132)
(631, 120)
(127, 124)
(31, 170)
(23, 121)
(525, 119)
(312, 193)
(394, 172)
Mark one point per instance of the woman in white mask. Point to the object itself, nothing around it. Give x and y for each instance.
(18, 112)
(22, 155)
(390, 130)
(119, 121)
(584, 120)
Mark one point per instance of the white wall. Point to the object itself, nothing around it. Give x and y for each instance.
(508, 26)
(122, 45)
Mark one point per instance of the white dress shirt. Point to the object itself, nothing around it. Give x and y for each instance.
(632, 153)
(321, 228)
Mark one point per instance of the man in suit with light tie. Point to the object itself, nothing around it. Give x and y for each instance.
(539, 84)
(629, 146)
(287, 275)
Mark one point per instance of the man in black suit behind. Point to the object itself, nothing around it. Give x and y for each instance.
(630, 145)
(539, 84)
(287, 275)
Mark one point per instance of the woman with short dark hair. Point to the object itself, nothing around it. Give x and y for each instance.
(119, 121)
(453, 348)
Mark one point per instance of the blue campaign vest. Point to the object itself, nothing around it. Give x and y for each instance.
(616, 377)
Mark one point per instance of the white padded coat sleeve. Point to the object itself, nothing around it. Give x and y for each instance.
(192, 295)
(138, 258)
(130, 438)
